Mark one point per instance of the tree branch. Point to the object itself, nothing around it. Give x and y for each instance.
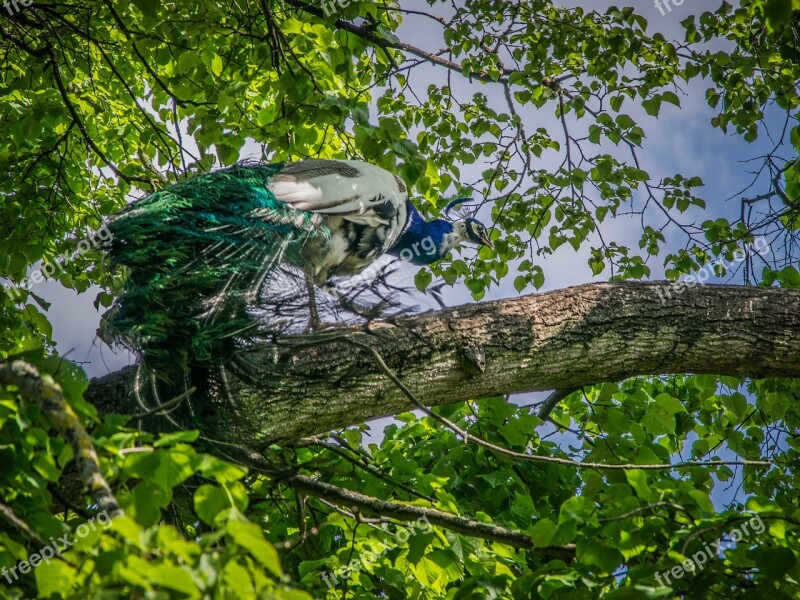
(552, 401)
(397, 510)
(469, 438)
(47, 394)
(376, 40)
(7, 513)
(558, 340)
(62, 90)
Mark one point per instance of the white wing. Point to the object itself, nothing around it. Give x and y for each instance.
(354, 190)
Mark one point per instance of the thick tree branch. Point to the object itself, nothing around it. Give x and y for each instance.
(48, 395)
(558, 340)
(470, 438)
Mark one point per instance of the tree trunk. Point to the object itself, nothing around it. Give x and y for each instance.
(565, 338)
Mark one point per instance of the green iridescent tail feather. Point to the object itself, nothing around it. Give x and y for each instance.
(196, 256)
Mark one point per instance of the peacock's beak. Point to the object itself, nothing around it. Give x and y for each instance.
(485, 241)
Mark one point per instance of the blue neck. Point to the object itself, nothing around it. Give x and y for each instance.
(421, 242)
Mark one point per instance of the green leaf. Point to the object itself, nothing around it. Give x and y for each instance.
(669, 404)
(438, 568)
(165, 468)
(265, 116)
(638, 481)
(778, 12)
(658, 422)
(652, 106)
(216, 65)
(671, 97)
(219, 470)
(423, 279)
(606, 557)
(176, 578)
(737, 404)
(250, 537)
(209, 501)
(775, 562)
(542, 533)
(168, 439)
(228, 154)
(789, 277)
(148, 7)
(795, 137)
(625, 121)
(144, 501)
(52, 577)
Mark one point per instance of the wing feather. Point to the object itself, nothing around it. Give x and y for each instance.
(354, 190)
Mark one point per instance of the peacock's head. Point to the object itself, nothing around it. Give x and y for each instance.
(471, 231)
(475, 232)
(467, 228)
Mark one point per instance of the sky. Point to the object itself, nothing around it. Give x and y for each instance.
(679, 140)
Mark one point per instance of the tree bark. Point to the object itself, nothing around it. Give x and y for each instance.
(562, 339)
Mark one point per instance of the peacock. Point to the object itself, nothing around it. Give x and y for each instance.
(198, 254)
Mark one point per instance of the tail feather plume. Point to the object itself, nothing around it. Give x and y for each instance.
(196, 256)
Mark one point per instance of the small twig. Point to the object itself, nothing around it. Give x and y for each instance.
(8, 514)
(639, 509)
(368, 466)
(370, 36)
(397, 510)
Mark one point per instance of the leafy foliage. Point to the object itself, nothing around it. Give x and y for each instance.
(100, 100)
